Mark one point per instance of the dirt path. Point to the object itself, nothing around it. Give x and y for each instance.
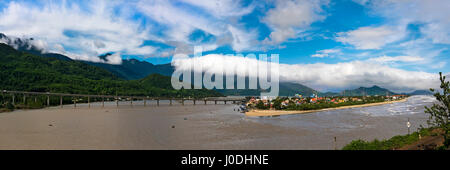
(426, 143)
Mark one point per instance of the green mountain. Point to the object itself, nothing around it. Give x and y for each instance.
(134, 69)
(328, 94)
(290, 89)
(421, 92)
(28, 72)
(26, 45)
(129, 69)
(369, 91)
(285, 89)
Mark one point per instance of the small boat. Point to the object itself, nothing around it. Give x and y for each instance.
(243, 109)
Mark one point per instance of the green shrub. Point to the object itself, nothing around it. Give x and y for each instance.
(9, 106)
(389, 144)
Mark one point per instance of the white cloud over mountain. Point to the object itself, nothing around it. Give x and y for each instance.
(91, 31)
(365, 53)
(323, 76)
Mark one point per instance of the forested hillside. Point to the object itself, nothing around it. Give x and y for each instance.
(28, 72)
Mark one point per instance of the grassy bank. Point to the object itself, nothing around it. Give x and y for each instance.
(395, 142)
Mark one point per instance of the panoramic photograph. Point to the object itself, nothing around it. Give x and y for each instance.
(224, 75)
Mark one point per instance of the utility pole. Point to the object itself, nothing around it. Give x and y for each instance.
(335, 143)
(408, 124)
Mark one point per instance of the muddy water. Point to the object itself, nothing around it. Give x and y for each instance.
(201, 126)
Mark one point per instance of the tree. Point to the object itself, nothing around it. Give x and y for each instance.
(439, 112)
(277, 104)
(260, 105)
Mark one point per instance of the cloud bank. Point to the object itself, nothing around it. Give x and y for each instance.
(322, 76)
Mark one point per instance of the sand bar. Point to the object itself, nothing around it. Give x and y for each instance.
(256, 112)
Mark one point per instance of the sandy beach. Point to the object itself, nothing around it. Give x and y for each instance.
(256, 112)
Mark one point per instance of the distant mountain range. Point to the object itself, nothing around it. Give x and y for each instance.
(375, 90)
(129, 69)
(420, 92)
(367, 91)
(27, 45)
(285, 89)
(134, 69)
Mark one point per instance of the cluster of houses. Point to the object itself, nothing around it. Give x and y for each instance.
(298, 100)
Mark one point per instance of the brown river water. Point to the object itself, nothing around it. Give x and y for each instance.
(202, 126)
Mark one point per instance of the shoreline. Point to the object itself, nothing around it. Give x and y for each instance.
(190, 127)
(258, 113)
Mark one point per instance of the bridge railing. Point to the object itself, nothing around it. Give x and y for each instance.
(119, 98)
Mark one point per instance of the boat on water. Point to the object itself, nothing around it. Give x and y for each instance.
(243, 108)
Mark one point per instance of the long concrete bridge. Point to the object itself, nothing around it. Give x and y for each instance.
(118, 98)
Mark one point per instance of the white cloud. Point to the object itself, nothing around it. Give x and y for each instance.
(320, 55)
(95, 29)
(222, 8)
(99, 44)
(24, 42)
(144, 50)
(439, 65)
(361, 2)
(386, 59)
(291, 17)
(371, 37)
(433, 14)
(327, 76)
(243, 40)
(114, 59)
(326, 53)
(182, 23)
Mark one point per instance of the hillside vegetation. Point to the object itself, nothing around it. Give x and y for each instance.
(27, 72)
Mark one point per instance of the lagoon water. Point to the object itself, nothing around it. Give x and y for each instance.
(202, 126)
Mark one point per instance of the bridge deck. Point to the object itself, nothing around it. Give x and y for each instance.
(118, 98)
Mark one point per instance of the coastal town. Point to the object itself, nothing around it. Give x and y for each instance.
(299, 102)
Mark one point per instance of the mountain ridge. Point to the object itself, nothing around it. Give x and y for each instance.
(27, 72)
(133, 69)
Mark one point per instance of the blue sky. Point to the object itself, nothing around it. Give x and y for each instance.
(410, 38)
